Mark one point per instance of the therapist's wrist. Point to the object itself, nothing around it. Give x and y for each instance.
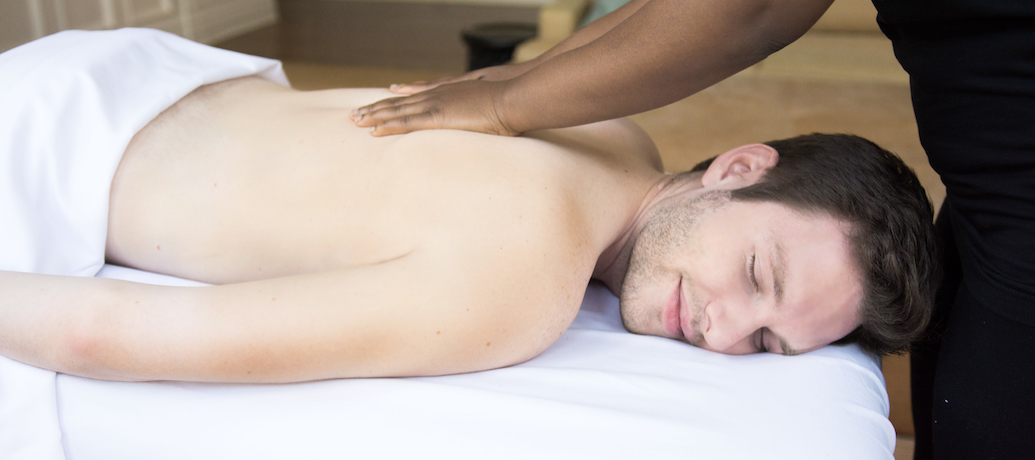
(509, 106)
(525, 104)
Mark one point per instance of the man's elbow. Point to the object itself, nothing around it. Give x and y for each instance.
(78, 351)
(90, 346)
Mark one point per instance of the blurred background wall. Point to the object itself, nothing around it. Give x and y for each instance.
(206, 21)
(398, 33)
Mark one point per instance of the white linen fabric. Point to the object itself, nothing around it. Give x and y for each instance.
(69, 105)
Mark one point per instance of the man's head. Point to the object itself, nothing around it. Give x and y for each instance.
(787, 247)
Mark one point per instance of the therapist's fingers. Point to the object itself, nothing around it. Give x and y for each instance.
(404, 124)
(494, 73)
(410, 88)
(418, 86)
(470, 105)
(370, 115)
(428, 120)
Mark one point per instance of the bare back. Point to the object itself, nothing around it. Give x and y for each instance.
(338, 254)
(246, 180)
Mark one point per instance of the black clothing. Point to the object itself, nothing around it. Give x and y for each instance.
(979, 405)
(972, 78)
(917, 11)
(973, 89)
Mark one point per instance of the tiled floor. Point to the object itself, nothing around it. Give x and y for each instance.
(755, 106)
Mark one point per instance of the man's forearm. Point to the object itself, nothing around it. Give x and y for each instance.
(41, 317)
(664, 51)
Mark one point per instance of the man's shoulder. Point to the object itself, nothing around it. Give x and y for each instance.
(524, 235)
(517, 271)
(620, 141)
(542, 217)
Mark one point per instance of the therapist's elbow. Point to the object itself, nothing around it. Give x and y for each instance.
(771, 25)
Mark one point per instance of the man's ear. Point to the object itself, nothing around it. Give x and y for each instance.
(743, 165)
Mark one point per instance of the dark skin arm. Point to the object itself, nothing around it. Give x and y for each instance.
(581, 37)
(645, 55)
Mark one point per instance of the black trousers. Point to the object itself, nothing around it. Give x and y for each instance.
(973, 374)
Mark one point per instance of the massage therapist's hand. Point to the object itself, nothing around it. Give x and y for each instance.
(494, 73)
(471, 105)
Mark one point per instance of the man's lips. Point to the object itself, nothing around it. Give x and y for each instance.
(673, 312)
(685, 319)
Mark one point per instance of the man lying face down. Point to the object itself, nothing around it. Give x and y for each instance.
(335, 254)
(834, 237)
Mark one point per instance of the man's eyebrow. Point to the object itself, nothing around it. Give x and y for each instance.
(778, 265)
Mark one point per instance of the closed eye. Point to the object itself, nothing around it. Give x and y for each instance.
(751, 272)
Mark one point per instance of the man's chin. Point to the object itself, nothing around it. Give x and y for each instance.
(635, 322)
(631, 319)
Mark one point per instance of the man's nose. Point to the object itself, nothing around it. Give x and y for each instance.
(731, 329)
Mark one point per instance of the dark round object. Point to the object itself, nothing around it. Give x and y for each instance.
(493, 44)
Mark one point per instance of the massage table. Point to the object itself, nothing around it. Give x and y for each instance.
(599, 392)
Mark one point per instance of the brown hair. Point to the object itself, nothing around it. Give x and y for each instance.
(892, 232)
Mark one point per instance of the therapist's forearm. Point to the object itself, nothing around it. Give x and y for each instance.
(593, 30)
(662, 52)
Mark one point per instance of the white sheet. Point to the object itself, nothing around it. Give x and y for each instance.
(69, 105)
(599, 392)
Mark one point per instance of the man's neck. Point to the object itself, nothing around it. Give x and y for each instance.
(612, 264)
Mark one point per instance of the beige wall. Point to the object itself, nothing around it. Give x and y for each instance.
(206, 21)
(849, 16)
